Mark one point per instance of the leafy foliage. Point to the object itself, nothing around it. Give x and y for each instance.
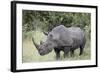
(47, 20)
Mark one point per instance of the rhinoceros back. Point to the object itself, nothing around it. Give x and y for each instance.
(61, 36)
(72, 36)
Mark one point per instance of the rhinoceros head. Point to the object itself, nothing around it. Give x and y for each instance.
(44, 47)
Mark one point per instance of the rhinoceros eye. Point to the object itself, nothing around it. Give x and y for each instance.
(48, 45)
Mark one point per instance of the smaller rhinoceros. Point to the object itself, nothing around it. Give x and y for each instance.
(63, 39)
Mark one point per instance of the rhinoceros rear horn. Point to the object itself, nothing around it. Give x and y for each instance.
(46, 33)
(36, 45)
(41, 42)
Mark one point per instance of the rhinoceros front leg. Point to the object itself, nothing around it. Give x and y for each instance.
(66, 51)
(57, 51)
(72, 53)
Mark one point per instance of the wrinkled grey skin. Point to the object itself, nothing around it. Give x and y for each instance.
(62, 39)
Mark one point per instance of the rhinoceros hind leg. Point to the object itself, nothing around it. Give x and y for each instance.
(81, 50)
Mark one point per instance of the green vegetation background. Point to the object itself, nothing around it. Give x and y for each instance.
(35, 22)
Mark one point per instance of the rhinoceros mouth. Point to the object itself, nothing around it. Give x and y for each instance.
(42, 53)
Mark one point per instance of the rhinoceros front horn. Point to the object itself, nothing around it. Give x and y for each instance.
(36, 45)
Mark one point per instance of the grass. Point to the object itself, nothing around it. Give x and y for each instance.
(30, 53)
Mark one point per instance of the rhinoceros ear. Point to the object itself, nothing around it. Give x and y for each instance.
(46, 33)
